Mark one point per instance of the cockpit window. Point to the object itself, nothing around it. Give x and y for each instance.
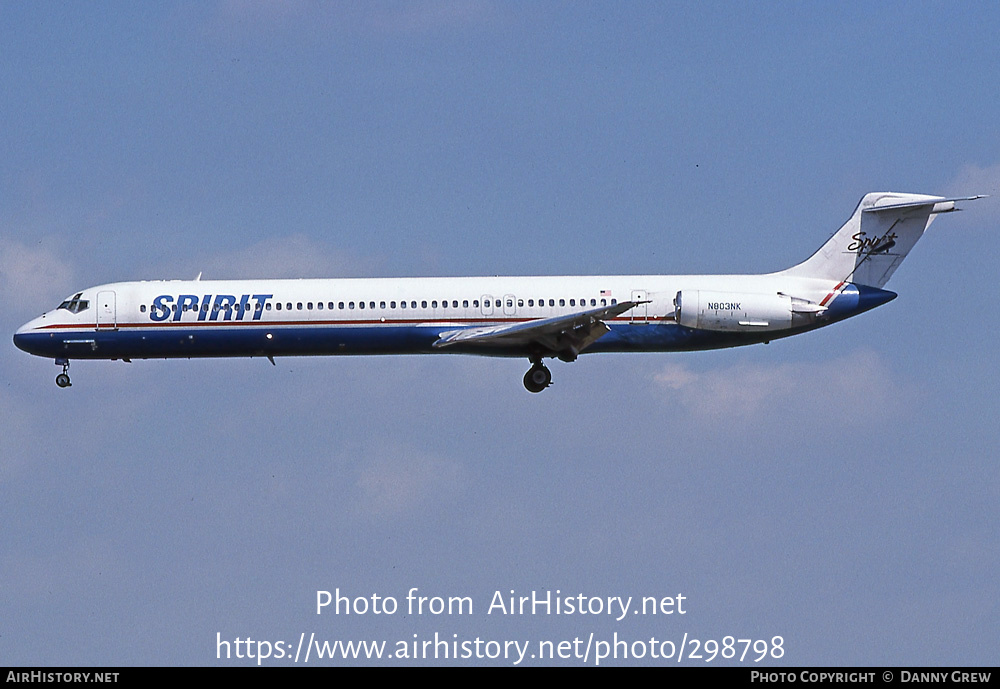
(75, 304)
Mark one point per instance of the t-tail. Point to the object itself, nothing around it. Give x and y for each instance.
(871, 245)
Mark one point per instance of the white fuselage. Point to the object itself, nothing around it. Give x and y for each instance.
(534, 317)
(430, 302)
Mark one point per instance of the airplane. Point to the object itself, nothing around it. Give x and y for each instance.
(534, 317)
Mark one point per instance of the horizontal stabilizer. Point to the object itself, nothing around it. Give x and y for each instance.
(939, 205)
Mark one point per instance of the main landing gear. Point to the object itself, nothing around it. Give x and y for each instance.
(538, 377)
(62, 380)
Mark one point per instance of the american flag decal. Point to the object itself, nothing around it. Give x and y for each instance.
(605, 293)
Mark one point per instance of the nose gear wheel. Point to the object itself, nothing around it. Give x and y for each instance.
(62, 380)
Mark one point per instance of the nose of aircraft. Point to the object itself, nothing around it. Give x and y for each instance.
(23, 335)
(19, 336)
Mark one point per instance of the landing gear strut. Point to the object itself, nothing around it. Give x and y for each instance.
(62, 380)
(538, 377)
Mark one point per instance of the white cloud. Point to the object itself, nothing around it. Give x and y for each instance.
(972, 180)
(435, 15)
(16, 437)
(237, 17)
(395, 480)
(804, 393)
(33, 277)
(294, 256)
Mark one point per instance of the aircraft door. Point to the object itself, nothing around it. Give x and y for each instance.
(509, 305)
(107, 318)
(640, 314)
(487, 305)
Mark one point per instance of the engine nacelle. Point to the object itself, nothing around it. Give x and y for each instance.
(734, 311)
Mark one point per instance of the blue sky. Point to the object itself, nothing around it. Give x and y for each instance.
(838, 489)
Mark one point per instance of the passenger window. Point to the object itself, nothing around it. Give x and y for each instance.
(520, 302)
(361, 305)
(423, 304)
(340, 306)
(277, 306)
(434, 304)
(465, 303)
(142, 308)
(562, 302)
(309, 306)
(572, 302)
(381, 304)
(350, 305)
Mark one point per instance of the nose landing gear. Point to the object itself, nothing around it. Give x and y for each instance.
(62, 380)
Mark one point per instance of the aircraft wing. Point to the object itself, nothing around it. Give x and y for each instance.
(562, 334)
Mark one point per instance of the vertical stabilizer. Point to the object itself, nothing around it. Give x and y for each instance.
(875, 240)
